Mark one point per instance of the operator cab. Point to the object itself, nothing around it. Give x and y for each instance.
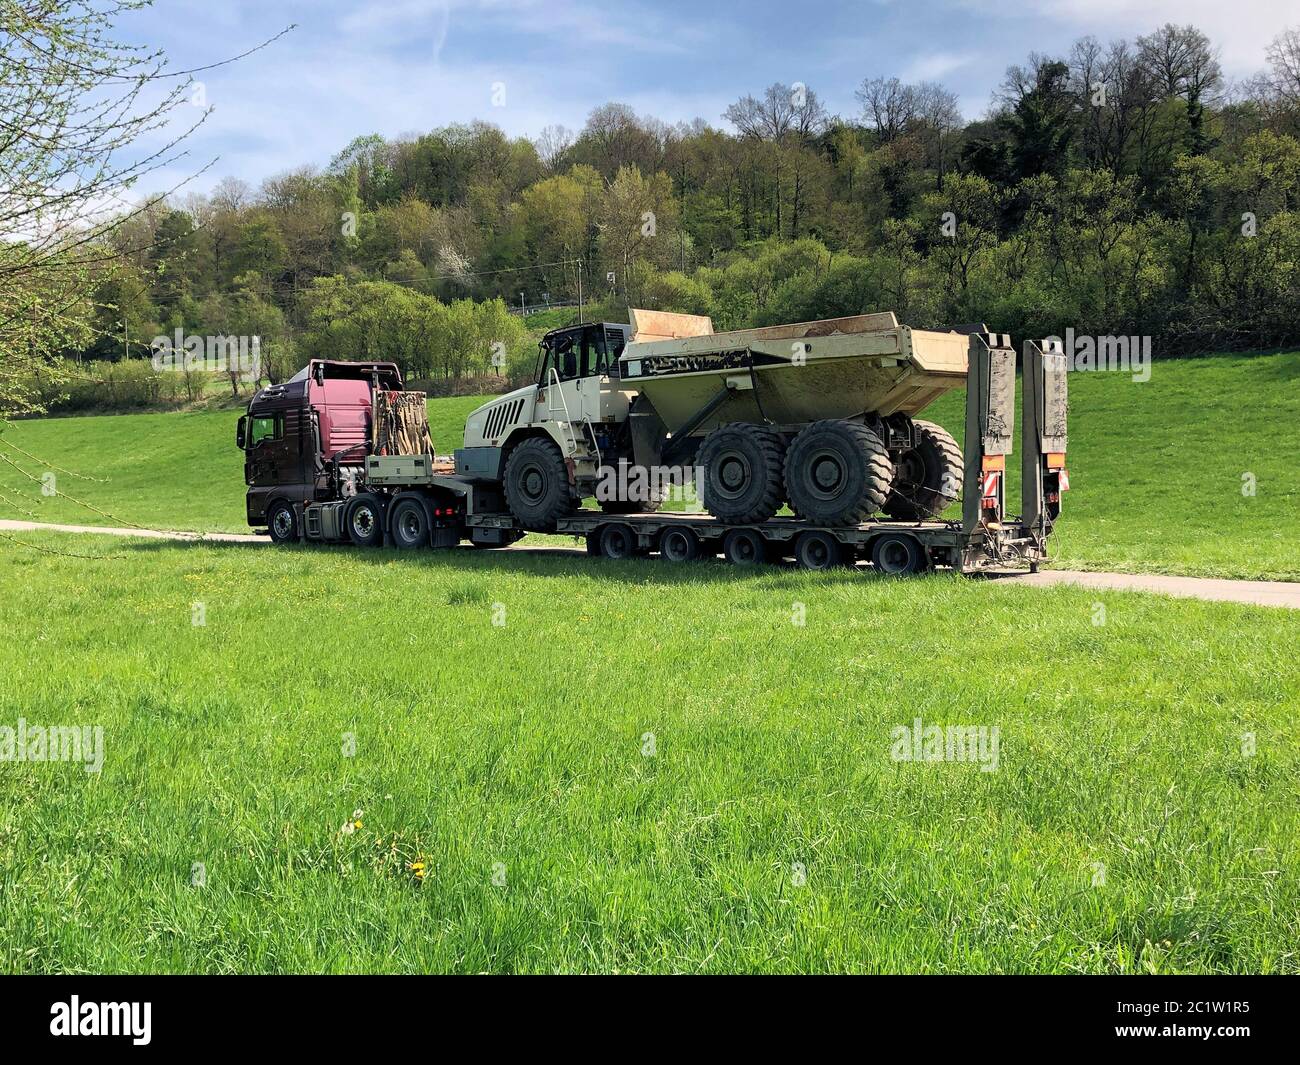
(582, 351)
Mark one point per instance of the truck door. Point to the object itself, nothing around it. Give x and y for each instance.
(564, 381)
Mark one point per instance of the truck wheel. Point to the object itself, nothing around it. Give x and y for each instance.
(817, 549)
(927, 476)
(897, 555)
(282, 523)
(364, 520)
(837, 473)
(537, 485)
(742, 473)
(409, 525)
(744, 547)
(617, 541)
(678, 545)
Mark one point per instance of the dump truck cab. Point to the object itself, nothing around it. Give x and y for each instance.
(577, 401)
(301, 437)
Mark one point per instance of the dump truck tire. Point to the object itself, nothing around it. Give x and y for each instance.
(837, 473)
(537, 485)
(928, 476)
(743, 480)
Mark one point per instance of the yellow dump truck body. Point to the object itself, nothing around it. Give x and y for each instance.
(789, 374)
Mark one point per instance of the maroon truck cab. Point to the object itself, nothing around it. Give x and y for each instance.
(303, 438)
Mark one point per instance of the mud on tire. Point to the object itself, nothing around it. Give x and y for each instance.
(928, 476)
(743, 480)
(537, 485)
(837, 473)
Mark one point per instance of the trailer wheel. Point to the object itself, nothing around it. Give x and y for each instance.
(617, 541)
(837, 473)
(537, 485)
(818, 549)
(364, 520)
(742, 473)
(897, 555)
(927, 476)
(679, 545)
(282, 523)
(744, 547)
(409, 524)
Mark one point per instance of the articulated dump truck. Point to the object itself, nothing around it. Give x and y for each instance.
(801, 441)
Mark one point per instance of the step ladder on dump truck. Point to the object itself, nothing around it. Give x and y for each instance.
(985, 538)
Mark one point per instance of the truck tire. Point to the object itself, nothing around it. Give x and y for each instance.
(837, 473)
(928, 476)
(409, 524)
(282, 523)
(617, 541)
(744, 547)
(817, 549)
(537, 485)
(678, 545)
(897, 555)
(742, 473)
(364, 520)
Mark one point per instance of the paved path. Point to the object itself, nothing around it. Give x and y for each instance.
(1258, 593)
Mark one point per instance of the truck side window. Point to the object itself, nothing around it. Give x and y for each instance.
(270, 427)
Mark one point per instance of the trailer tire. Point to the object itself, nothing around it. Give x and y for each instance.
(536, 484)
(818, 550)
(409, 523)
(282, 523)
(744, 547)
(743, 480)
(928, 476)
(678, 545)
(837, 472)
(897, 555)
(617, 541)
(364, 520)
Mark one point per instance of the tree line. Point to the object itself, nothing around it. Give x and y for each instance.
(1121, 188)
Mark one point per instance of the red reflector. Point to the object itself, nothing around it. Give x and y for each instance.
(437, 512)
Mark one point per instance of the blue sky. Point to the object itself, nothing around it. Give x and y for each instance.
(361, 66)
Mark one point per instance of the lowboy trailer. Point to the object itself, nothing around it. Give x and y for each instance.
(309, 491)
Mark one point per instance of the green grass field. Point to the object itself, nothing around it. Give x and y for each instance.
(503, 708)
(1156, 468)
(642, 768)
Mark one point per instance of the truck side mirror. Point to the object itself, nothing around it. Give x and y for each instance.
(241, 432)
(570, 365)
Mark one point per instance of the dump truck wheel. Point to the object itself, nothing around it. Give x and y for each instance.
(409, 524)
(897, 555)
(742, 473)
(537, 485)
(679, 545)
(744, 547)
(817, 549)
(928, 476)
(617, 541)
(282, 523)
(364, 520)
(837, 473)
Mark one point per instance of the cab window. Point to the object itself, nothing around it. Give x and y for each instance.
(270, 427)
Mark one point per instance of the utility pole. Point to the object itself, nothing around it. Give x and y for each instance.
(580, 292)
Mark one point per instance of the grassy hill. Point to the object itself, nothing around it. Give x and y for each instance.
(628, 766)
(1156, 468)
